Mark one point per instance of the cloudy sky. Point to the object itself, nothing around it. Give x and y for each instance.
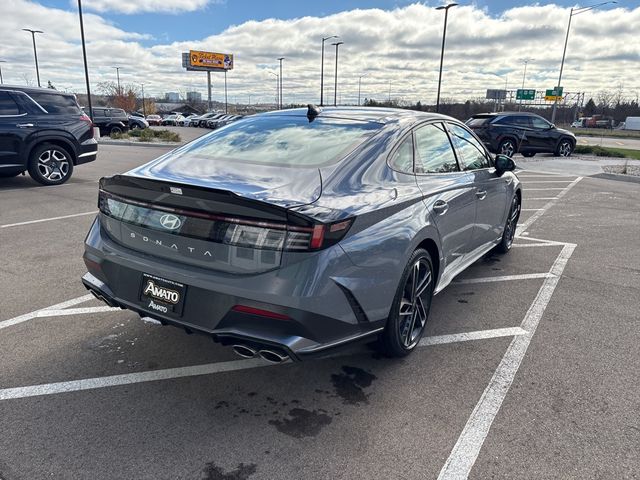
(394, 44)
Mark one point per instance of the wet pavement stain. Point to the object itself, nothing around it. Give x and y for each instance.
(349, 385)
(302, 423)
(242, 472)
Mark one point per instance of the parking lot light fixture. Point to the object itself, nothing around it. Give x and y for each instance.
(84, 58)
(444, 36)
(118, 76)
(280, 60)
(574, 11)
(335, 86)
(359, 85)
(277, 88)
(1, 80)
(35, 51)
(324, 39)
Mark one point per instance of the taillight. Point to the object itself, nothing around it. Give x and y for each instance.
(260, 312)
(219, 228)
(85, 118)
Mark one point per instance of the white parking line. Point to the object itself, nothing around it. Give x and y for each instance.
(49, 312)
(466, 450)
(211, 368)
(36, 313)
(503, 278)
(550, 188)
(541, 198)
(48, 219)
(530, 209)
(546, 181)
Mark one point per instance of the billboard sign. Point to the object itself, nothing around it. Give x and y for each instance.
(207, 61)
(496, 94)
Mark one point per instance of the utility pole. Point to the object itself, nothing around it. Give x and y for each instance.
(118, 76)
(226, 105)
(208, 91)
(35, 51)
(144, 108)
(335, 87)
(359, 85)
(322, 68)
(1, 80)
(277, 89)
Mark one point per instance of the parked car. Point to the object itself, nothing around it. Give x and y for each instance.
(202, 119)
(186, 121)
(110, 120)
(511, 132)
(154, 119)
(228, 120)
(137, 122)
(579, 123)
(215, 122)
(172, 120)
(44, 132)
(291, 233)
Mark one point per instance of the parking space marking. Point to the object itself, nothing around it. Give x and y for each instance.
(48, 219)
(466, 450)
(530, 209)
(49, 312)
(545, 181)
(541, 198)
(529, 221)
(212, 368)
(34, 314)
(546, 188)
(502, 278)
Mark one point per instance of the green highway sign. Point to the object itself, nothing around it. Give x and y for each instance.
(525, 94)
(554, 92)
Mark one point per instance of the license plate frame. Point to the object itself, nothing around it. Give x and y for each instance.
(161, 295)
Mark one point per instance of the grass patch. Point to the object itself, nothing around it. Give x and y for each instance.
(605, 132)
(148, 135)
(599, 151)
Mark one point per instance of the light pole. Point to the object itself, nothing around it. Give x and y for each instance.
(35, 52)
(322, 68)
(277, 88)
(574, 11)
(118, 76)
(84, 57)
(444, 36)
(144, 109)
(359, 85)
(1, 80)
(335, 87)
(280, 60)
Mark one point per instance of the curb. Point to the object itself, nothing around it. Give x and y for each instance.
(139, 144)
(620, 177)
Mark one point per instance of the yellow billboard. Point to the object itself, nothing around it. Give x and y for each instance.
(210, 60)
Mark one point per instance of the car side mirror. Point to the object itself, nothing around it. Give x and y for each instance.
(552, 126)
(504, 164)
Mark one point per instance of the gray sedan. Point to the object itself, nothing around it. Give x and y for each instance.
(291, 233)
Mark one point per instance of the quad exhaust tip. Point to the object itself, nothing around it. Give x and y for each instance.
(270, 356)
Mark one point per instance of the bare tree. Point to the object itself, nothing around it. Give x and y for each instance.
(125, 97)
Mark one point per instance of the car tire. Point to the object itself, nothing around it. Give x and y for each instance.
(509, 231)
(50, 164)
(410, 309)
(508, 147)
(135, 126)
(564, 148)
(115, 129)
(528, 154)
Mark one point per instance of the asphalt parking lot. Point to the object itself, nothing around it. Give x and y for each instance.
(529, 368)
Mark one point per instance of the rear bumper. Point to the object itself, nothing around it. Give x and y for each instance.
(87, 152)
(316, 314)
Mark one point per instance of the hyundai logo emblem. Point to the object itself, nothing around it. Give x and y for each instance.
(170, 221)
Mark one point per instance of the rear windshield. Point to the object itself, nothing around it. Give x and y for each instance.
(57, 104)
(478, 121)
(289, 141)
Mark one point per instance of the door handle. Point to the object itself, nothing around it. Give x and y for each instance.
(481, 194)
(440, 207)
(24, 125)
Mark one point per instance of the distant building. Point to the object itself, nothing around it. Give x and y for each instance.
(194, 97)
(172, 97)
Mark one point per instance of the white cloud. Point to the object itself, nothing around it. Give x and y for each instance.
(399, 50)
(141, 6)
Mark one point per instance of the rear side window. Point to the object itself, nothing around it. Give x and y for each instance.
(471, 154)
(8, 106)
(402, 159)
(57, 104)
(515, 120)
(479, 121)
(434, 151)
(281, 140)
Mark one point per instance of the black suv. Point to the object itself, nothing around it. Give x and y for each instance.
(511, 132)
(110, 120)
(45, 132)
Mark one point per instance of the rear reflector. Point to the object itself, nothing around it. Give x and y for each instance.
(260, 312)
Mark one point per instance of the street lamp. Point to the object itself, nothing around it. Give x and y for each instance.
(444, 35)
(280, 60)
(84, 57)
(359, 84)
(277, 88)
(118, 76)
(35, 52)
(144, 109)
(335, 86)
(322, 68)
(574, 11)
(524, 76)
(1, 80)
